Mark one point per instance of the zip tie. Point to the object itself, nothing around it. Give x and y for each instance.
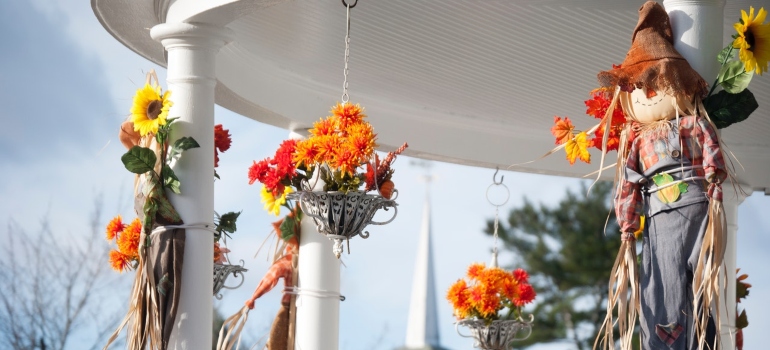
(313, 293)
(201, 225)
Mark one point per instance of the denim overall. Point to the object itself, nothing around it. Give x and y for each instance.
(672, 239)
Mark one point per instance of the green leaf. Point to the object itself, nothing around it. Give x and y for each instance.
(733, 77)
(725, 54)
(170, 180)
(180, 146)
(227, 222)
(682, 187)
(288, 228)
(186, 143)
(139, 160)
(150, 209)
(742, 321)
(725, 109)
(166, 210)
(217, 175)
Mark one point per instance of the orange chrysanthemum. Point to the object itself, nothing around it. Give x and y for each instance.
(128, 241)
(114, 227)
(345, 160)
(324, 127)
(458, 296)
(475, 270)
(328, 146)
(348, 113)
(119, 261)
(490, 289)
(361, 138)
(306, 153)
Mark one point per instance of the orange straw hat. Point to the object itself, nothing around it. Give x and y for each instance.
(652, 62)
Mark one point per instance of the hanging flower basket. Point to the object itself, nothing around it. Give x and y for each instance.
(221, 271)
(342, 216)
(497, 334)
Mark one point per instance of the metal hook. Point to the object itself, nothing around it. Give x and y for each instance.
(351, 6)
(494, 177)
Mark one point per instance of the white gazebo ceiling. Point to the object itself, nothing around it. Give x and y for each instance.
(469, 82)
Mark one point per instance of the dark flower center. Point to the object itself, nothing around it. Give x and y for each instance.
(153, 109)
(750, 39)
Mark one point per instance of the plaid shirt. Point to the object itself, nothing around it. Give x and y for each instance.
(699, 144)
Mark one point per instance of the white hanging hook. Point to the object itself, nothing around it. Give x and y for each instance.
(494, 177)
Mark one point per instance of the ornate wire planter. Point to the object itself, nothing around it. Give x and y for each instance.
(497, 335)
(221, 271)
(342, 216)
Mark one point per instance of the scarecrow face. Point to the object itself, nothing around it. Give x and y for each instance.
(646, 106)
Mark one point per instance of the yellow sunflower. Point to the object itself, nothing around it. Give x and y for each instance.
(273, 204)
(753, 40)
(150, 109)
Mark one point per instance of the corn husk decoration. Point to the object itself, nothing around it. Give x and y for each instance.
(154, 298)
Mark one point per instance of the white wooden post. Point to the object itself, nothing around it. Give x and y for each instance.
(697, 28)
(318, 316)
(192, 50)
(731, 201)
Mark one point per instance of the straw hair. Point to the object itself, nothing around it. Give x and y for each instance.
(624, 296)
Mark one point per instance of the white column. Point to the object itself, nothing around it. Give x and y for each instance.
(731, 200)
(697, 28)
(318, 318)
(192, 50)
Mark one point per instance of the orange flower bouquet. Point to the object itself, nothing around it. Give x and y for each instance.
(479, 304)
(339, 152)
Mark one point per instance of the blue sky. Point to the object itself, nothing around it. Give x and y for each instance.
(65, 86)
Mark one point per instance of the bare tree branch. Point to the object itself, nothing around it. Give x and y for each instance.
(55, 288)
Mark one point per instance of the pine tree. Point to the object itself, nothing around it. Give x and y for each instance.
(569, 254)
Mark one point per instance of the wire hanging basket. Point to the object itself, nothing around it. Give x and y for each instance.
(222, 271)
(497, 334)
(341, 216)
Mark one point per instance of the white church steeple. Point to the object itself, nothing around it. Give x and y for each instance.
(422, 327)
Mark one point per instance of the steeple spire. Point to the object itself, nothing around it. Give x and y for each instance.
(422, 327)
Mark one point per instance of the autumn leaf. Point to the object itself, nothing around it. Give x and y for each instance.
(669, 194)
(577, 147)
(562, 129)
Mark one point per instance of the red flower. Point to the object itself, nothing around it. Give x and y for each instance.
(222, 142)
(258, 171)
(520, 275)
(526, 295)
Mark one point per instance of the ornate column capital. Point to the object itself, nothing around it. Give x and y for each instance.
(200, 35)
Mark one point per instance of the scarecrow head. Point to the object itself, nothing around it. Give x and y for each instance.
(654, 79)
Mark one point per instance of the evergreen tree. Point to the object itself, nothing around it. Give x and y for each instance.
(569, 255)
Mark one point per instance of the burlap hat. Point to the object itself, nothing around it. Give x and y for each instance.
(652, 62)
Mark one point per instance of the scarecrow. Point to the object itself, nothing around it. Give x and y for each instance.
(284, 266)
(670, 170)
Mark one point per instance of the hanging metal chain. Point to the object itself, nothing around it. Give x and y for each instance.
(497, 206)
(345, 97)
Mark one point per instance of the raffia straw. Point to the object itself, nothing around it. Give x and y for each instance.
(623, 295)
(705, 285)
(231, 330)
(606, 136)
